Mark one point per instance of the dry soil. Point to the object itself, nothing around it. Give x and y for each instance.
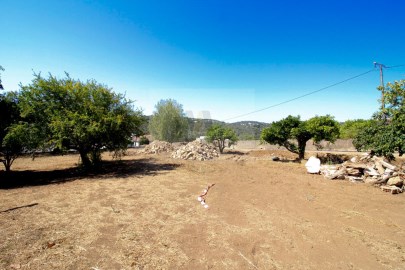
(143, 213)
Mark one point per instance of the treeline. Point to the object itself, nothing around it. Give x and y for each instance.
(196, 127)
(245, 130)
(60, 114)
(251, 130)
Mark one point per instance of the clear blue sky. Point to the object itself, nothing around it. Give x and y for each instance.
(227, 57)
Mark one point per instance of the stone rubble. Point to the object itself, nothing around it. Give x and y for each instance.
(196, 150)
(368, 169)
(157, 147)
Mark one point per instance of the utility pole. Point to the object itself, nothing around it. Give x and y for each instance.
(381, 66)
(1, 85)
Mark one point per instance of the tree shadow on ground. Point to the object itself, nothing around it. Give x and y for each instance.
(108, 169)
(289, 160)
(233, 152)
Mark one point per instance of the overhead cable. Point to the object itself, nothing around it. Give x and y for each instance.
(304, 95)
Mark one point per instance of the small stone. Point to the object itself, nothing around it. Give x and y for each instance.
(395, 181)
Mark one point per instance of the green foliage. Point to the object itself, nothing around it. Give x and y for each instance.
(143, 140)
(199, 127)
(245, 130)
(248, 130)
(323, 128)
(9, 115)
(220, 135)
(350, 128)
(386, 133)
(20, 138)
(86, 116)
(246, 137)
(168, 122)
(293, 134)
(9, 112)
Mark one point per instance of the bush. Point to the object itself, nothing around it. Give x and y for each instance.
(143, 140)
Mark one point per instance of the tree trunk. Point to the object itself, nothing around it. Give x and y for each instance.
(221, 146)
(301, 155)
(7, 165)
(85, 159)
(301, 149)
(8, 161)
(95, 157)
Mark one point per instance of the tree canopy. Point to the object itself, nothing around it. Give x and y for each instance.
(14, 134)
(386, 133)
(293, 134)
(350, 128)
(86, 116)
(168, 122)
(220, 136)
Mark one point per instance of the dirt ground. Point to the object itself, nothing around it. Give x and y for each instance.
(143, 213)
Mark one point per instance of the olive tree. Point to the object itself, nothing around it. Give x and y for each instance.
(220, 135)
(85, 116)
(168, 122)
(293, 134)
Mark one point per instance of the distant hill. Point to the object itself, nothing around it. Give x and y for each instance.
(246, 130)
(198, 127)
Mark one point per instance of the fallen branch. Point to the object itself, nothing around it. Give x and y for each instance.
(18, 207)
(204, 193)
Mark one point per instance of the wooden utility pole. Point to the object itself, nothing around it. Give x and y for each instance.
(1, 85)
(381, 66)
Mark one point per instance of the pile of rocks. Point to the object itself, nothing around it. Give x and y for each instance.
(371, 170)
(157, 147)
(196, 150)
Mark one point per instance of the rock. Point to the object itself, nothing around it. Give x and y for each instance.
(353, 172)
(313, 165)
(395, 181)
(392, 189)
(274, 158)
(356, 179)
(354, 159)
(371, 171)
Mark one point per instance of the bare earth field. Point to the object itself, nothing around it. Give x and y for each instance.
(143, 213)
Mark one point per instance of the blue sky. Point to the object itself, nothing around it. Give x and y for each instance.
(226, 57)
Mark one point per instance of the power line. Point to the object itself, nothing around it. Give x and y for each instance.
(396, 66)
(307, 94)
(310, 93)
